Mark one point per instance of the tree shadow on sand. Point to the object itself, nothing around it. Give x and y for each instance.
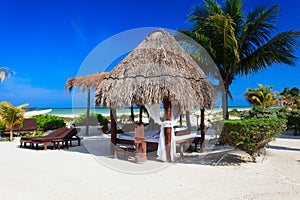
(283, 148)
(219, 158)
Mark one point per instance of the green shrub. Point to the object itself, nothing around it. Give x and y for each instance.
(102, 119)
(292, 116)
(49, 122)
(35, 134)
(259, 112)
(293, 121)
(2, 125)
(80, 121)
(251, 135)
(234, 112)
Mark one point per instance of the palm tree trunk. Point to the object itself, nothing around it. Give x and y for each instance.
(10, 135)
(225, 103)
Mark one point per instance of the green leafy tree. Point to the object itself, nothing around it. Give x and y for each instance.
(240, 44)
(5, 72)
(261, 96)
(11, 115)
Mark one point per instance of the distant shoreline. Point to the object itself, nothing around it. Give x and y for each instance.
(76, 112)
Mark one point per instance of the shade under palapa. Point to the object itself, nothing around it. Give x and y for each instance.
(157, 68)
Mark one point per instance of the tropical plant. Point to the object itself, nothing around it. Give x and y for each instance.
(4, 72)
(251, 135)
(102, 119)
(11, 115)
(81, 120)
(290, 97)
(49, 122)
(261, 96)
(240, 44)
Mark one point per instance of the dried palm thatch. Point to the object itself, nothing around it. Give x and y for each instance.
(156, 69)
(82, 82)
(88, 81)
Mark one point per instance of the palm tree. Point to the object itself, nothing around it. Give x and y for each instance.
(261, 96)
(240, 44)
(4, 72)
(290, 97)
(11, 115)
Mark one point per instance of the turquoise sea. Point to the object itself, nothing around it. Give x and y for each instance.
(105, 111)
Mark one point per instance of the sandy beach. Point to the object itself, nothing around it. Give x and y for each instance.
(89, 172)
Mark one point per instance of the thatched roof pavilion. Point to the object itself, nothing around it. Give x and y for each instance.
(86, 82)
(157, 68)
(157, 71)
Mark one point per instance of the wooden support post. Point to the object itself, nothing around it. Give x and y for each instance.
(180, 120)
(132, 113)
(167, 130)
(113, 130)
(87, 120)
(202, 129)
(141, 115)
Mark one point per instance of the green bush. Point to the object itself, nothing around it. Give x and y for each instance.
(259, 112)
(35, 134)
(49, 122)
(251, 135)
(293, 121)
(292, 116)
(2, 125)
(235, 112)
(102, 119)
(80, 121)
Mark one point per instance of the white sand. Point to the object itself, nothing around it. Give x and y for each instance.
(79, 174)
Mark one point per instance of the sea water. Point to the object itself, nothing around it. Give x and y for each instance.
(106, 111)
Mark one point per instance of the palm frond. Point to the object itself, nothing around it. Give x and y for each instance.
(258, 28)
(278, 50)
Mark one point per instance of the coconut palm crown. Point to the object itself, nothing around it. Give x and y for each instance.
(239, 43)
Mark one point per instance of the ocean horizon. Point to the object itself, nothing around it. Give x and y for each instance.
(106, 111)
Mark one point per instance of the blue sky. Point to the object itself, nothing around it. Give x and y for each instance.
(46, 42)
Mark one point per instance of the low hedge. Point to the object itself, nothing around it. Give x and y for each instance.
(49, 122)
(293, 121)
(80, 121)
(251, 135)
(292, 116)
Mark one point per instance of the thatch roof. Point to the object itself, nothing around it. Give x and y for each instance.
(88, 81)
(157, 68)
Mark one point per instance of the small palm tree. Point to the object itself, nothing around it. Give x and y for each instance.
(261, 96)
(5, 72)
(290, 97)
(11, 115)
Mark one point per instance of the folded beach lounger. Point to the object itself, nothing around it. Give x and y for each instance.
(62, 139)
(56, 133)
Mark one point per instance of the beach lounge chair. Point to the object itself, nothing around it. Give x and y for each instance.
(16, 130)
(29, 126)
(63, 139)
(56, 133)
